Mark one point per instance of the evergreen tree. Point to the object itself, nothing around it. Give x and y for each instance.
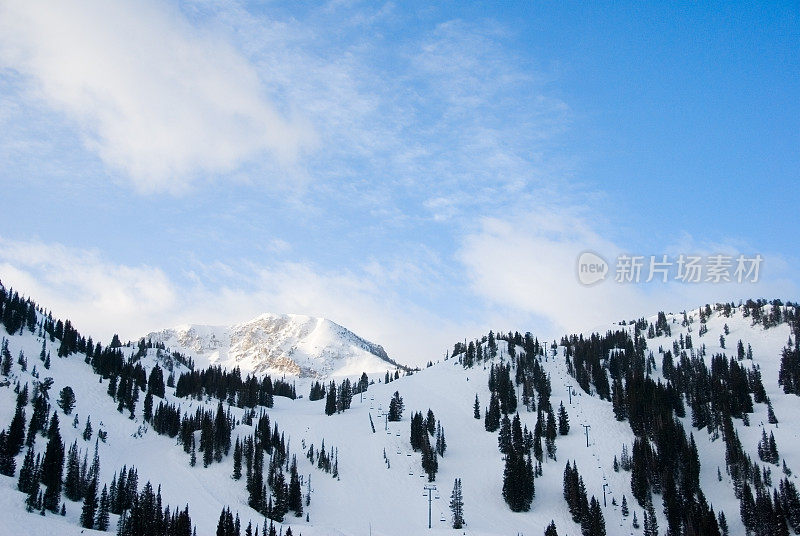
(225, 525)
(39, 417)
(101, 522)
(53, 467)
(457, 504)
(563, 420)
(330, 400)
(28, 473)
(550, 435)
(66, 400)
(281, 507)
(237, 460)
(771, 418)
(73, 486)
(89, 503)
(551, 529)
(430, 422)
(504, 437)
(441, 443)
(15, 438)
(650, 520)
(87, 431)
(8, 465)
(417, 431)
(396, 407)
(5, 368)
(34, 499)
(295, 492)
(595, 524)
(155, 382)
(492, 418)
(518, 485)
(476, 408)
(148, 406)
(430, 463)
(640, 484)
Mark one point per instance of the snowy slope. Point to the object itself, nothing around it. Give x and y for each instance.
(287, 344)
(371, 497)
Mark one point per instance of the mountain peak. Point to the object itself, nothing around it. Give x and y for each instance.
(279, 344)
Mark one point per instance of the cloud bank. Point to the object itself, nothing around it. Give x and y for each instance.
(156, 97)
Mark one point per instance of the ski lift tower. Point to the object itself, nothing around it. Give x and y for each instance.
(429, 488)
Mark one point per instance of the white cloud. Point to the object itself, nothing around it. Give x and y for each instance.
(161, 100)
(102, 298)
(81, 285)
(526, 265)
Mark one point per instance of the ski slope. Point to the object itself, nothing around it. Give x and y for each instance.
(370, 497)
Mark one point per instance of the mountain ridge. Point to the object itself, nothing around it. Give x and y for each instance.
(279, 343)
(690, 362)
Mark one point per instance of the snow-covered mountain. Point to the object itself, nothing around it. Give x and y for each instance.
(279, 344)
(379, 486)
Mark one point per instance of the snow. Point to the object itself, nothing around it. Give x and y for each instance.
(369, 497)
(296, 345)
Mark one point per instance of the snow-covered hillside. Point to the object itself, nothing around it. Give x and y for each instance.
(279, 344)
(379, 489)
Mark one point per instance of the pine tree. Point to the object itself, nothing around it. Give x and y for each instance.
(518, 482)
(15, 438)
(53, 467)
(101, 523)
(38, 417)
(596, 524)
(72, 483)
(441, 443)
(563, 420)
(295, 492)
(330, 400)
(504, 437)
(771, 413)
(551, 529)
(28, 473)
(457, 504)
(430, 463)
(237, 460)
(723, 524)
(5, 368)
(34, 499)
(492, 418)
(624, 507)
(396, 407)
(66, 400)
(550, 435)
(8, 465)
(148, 406)
(281, 506)
(476, 408)
(89, 504)
(87, 431)
(650, 520)
(430, 422)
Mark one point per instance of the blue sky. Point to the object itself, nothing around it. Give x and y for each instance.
(419, 172)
